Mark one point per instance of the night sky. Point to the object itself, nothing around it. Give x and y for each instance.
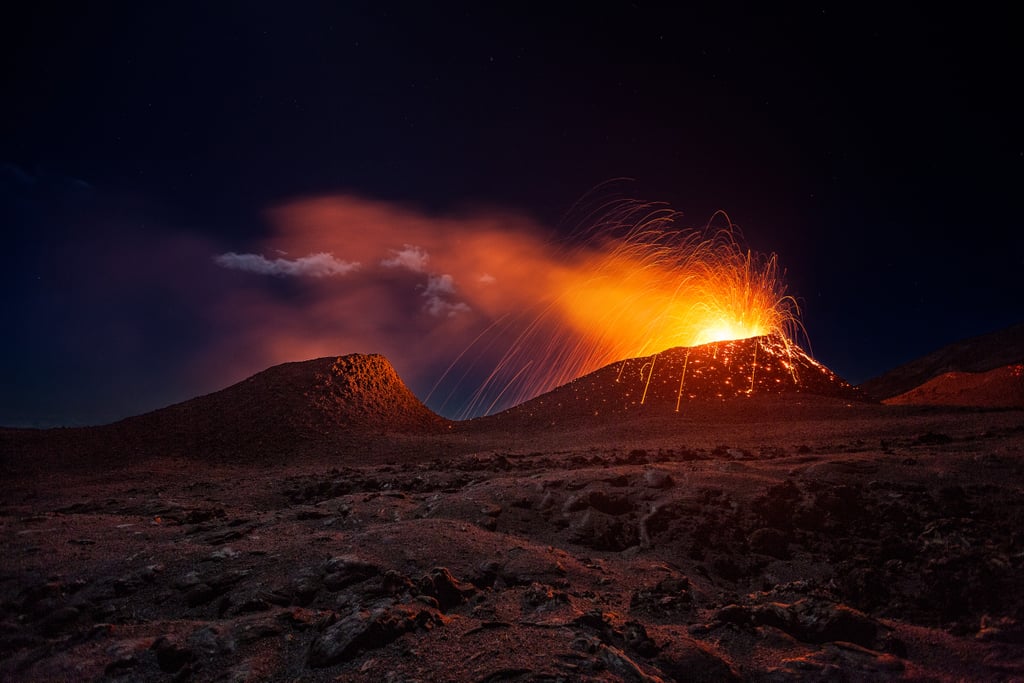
(878, 152)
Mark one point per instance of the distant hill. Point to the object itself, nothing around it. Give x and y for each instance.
(667, 380)
(294, 407)
(977, 354)
(1001, 387)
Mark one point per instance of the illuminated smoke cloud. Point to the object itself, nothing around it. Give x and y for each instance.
(322, 264)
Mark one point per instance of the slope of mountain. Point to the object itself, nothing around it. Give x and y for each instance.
(315, 405)
(977, 354)
(665, 381)
(1000, 387)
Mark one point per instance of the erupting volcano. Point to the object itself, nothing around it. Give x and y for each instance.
(667, 381)
(637, 283)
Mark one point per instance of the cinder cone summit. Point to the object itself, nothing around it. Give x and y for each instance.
(666, 381)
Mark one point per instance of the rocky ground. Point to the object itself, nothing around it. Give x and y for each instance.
(775, 541)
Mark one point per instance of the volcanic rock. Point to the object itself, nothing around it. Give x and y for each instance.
(845, 660)
(602, 531)
(811, 621)
(683, 659)
(664, 599)
(345, 570)
(445, 588)
(367, 629)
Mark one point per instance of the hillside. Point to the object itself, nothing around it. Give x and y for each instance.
(976, 354)
(1000, 387)
(310, 406)
(665, 382)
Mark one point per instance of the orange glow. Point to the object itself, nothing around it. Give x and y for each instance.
(651, 290)
(638, 285)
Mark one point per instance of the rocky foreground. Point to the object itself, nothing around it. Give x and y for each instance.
(873, 543)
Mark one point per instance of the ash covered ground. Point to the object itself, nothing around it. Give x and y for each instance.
(852, 543)
(767, 538)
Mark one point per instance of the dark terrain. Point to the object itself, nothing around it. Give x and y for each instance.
(999, 349)
(797, 535)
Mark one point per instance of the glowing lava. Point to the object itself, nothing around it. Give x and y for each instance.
(634, 285)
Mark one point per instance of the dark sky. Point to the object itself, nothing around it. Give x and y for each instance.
(877, 151)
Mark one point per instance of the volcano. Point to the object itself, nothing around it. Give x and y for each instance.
(309, 404)
(313, 406)
(667, 381)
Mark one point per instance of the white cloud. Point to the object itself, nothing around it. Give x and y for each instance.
(437, 291)
(487, 279)
(410, 257)
(438, 307)
(313, 265)
(439, 285)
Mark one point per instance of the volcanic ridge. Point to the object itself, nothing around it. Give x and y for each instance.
(300, 402)
(667, 381)
(314, 406)
(1000, 387)
(955, 362)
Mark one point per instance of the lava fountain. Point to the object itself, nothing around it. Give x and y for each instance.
(633, 284)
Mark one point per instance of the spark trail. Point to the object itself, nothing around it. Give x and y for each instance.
(632, 284)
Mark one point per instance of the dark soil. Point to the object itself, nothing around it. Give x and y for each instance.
(782, 538)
